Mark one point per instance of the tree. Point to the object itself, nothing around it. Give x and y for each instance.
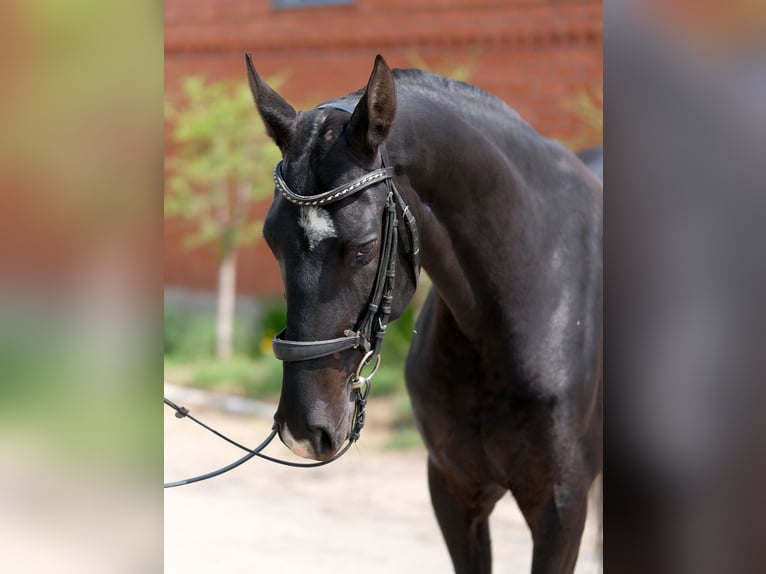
(220, 164)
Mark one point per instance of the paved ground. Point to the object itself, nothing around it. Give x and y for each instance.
(367, 512)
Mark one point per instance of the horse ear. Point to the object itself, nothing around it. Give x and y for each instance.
(372, 118)
(277, 114)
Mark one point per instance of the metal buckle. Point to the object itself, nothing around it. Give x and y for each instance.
(358, 381)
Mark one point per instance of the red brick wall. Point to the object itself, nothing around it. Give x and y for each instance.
(531, 53)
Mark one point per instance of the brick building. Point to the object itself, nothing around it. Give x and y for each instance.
(533, 54)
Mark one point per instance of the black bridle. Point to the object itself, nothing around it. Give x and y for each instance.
(368, 334)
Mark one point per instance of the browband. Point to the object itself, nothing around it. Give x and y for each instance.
(360, 183)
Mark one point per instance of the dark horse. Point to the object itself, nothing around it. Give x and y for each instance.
(505, 368)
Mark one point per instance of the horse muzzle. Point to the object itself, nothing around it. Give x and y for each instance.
(317, 439)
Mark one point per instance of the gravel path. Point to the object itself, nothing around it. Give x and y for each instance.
(367, 512)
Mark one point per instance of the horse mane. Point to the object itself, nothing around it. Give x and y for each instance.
(464, 98)
(441, 87)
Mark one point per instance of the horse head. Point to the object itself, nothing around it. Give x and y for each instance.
(334, 253)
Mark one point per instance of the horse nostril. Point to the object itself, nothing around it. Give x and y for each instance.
(322, 441)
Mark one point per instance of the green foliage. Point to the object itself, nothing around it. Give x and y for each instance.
(405, 433)
(257, 378)
(389, 379)
(398, 335)
(220, 162)
(274, 318)
(404, 439)
(191, 336)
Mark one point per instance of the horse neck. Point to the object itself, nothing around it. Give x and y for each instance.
(476, 220)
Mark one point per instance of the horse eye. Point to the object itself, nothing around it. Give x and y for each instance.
(364, 252)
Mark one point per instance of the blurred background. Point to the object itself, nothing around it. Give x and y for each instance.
(80, 286)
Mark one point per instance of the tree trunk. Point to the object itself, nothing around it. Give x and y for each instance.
(227, 293)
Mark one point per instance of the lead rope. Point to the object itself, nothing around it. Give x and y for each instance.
(360, 400)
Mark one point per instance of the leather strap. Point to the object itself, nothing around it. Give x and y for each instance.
(286, 350)
(344, 106)
(412, 239)
(333, 195)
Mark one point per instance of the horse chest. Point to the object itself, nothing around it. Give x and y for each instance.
(464, 420)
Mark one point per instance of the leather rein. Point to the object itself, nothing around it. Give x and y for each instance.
(368, 334)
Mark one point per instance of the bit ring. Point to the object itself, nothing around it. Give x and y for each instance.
(358, 381)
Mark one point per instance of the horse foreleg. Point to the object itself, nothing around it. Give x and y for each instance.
(556, 520)
(463, 517)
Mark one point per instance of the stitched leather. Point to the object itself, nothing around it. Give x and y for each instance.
(336, 194)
